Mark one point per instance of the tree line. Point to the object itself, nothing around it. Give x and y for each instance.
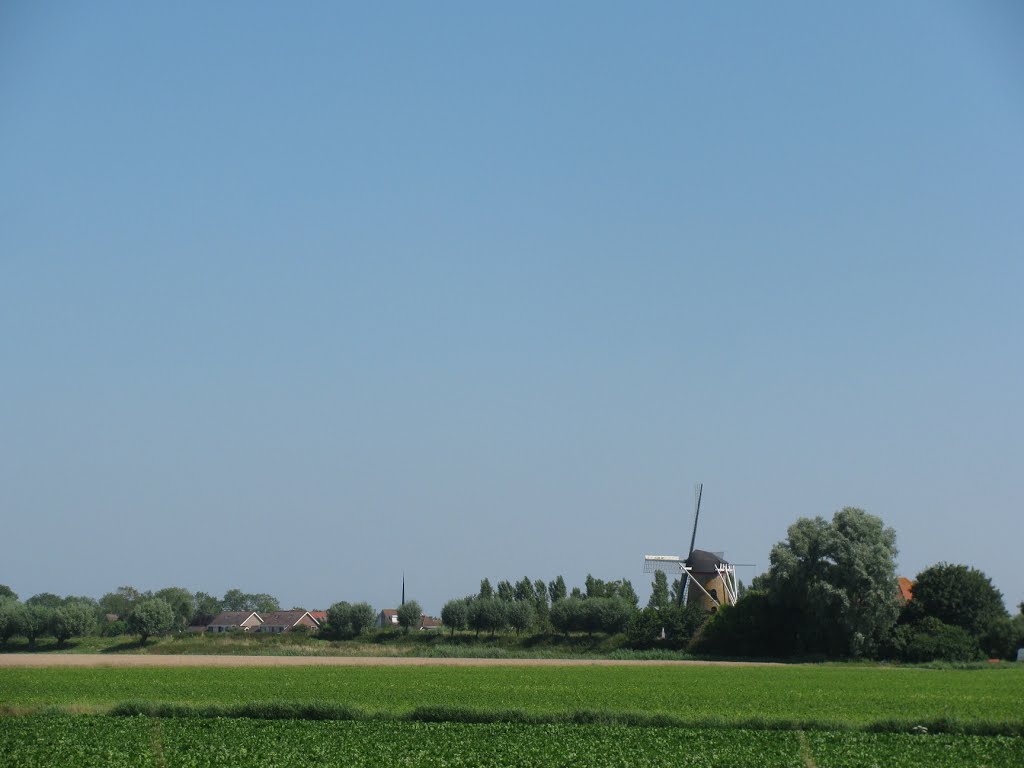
(123, 611)
(830, 591)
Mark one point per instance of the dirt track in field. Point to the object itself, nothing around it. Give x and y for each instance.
(155, 660)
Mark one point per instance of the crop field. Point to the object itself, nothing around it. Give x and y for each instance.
(829, 715)
(137, 741)
(836, 695)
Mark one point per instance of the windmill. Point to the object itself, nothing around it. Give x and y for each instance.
(708, 579)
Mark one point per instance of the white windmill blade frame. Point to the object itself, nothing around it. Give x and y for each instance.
(664, 563)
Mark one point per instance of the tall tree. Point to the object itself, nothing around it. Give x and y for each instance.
(524, 590)
(486, 591)
(836, 581)
(659, 592)
(6, 591)
(505, 591)
(557, 590)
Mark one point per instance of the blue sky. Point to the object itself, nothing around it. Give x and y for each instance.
(295, 300)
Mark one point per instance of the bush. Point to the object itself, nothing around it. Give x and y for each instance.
(933, 640)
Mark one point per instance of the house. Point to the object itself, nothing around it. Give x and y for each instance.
(320, 616)
(245, 621)
(286, 621)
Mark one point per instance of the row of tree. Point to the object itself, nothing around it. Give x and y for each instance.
(124, 611)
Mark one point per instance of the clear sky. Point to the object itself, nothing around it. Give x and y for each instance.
(295, 299)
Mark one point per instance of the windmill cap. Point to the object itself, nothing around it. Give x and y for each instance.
(702, 561)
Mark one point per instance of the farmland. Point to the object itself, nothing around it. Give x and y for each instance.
(497, 715)
(188, 742)
(836, 695)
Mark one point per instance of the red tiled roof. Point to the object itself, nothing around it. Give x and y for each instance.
(906, 589)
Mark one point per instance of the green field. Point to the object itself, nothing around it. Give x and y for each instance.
(828, 715)
(829, 695)
(113, 742)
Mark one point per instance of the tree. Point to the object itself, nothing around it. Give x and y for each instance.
(11, 618)
(524, 590)
(6, 591)
(505, 591)
(540, 604)
(181, 603)
(455, 614)
(261, 602)
(36, 621)
(487, 615)
(486, 590)
(836, 583)
(345, 621)
(410, 615)
(556, 590)
(46, 600)
(204, 607)
(72, 620)
(659, 592)
(567, 615)
(149, 618)
(959, 596)
(520, 615)
(120, 602)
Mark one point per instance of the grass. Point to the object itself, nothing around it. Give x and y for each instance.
(825, 697)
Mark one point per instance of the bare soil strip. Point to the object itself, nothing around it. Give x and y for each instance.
(137, 660)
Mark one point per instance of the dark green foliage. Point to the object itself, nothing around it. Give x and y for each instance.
(753, 626)
(932, 640)
(410, 615)
(556, 590)
(506, 592)
(455, 615)
(644, 629)
(659, 592)
(7, 592)
(486, 591)
(149, 618)
(959, 596)
(345, 621)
